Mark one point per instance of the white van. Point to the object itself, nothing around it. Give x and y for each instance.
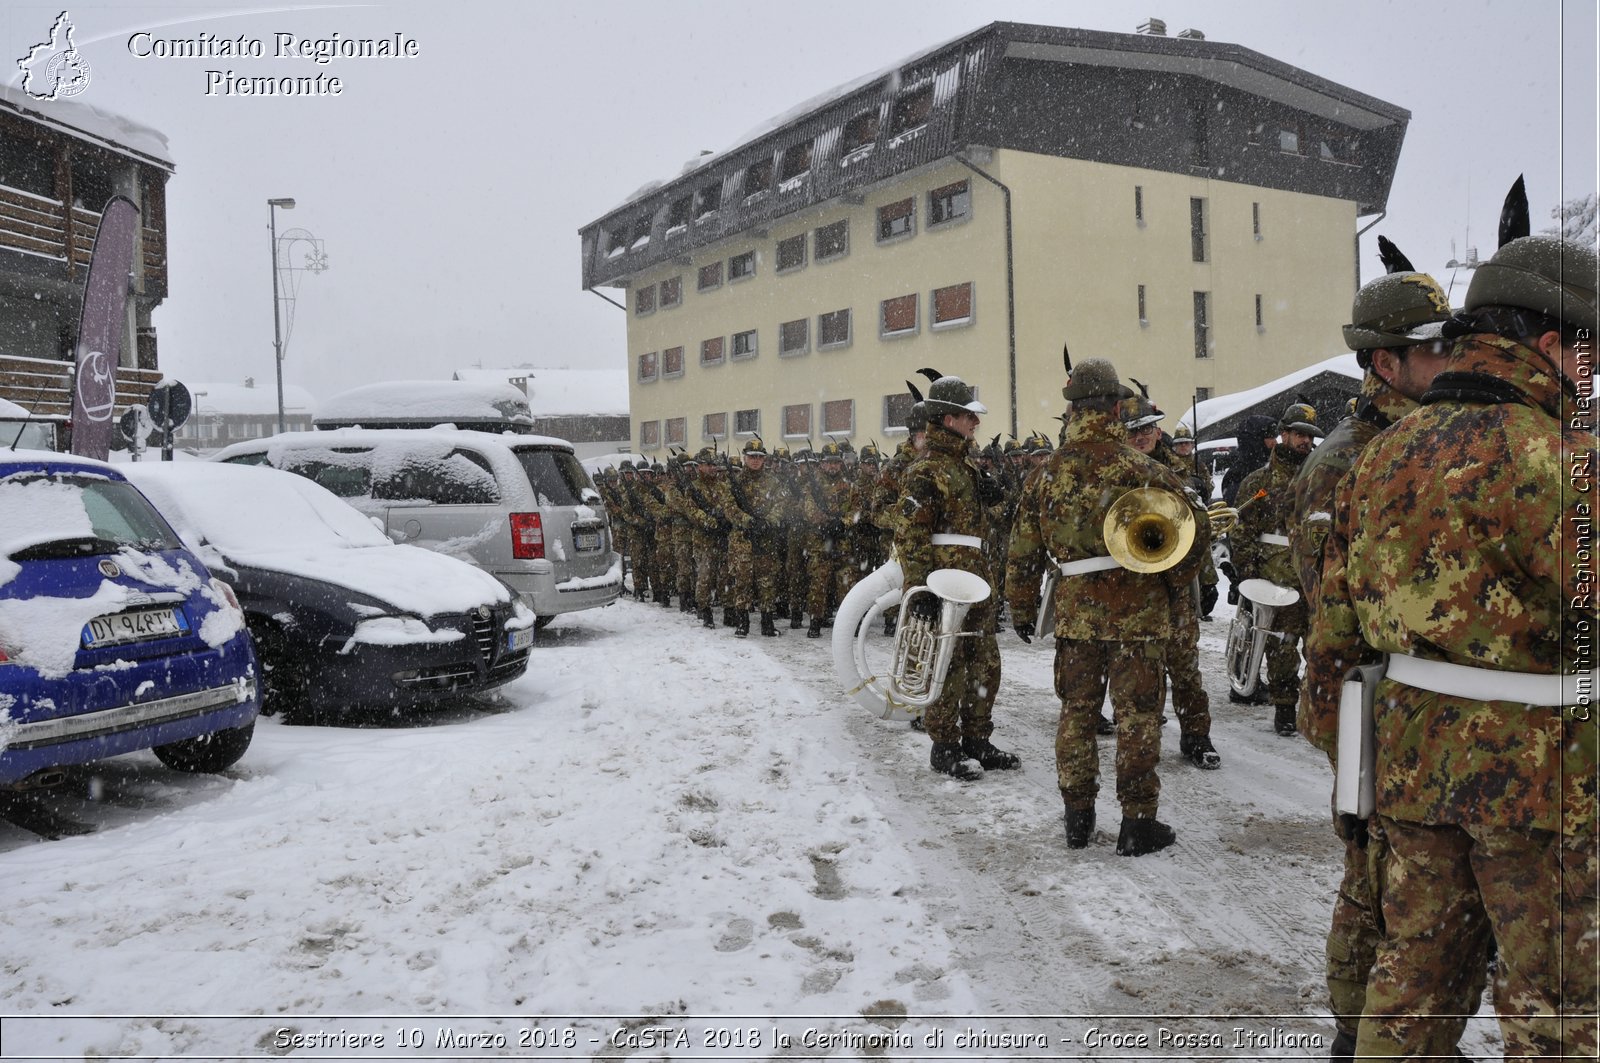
(518, 506)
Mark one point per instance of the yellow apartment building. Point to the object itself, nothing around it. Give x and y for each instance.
(1187, 208)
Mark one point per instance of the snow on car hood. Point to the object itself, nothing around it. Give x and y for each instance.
(262, 517)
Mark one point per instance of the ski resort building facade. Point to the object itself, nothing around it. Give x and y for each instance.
(1187, 208)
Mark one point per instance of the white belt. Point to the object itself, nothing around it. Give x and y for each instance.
(952, 539)
(1273, 539)
(1489, 684)
(1089, 564)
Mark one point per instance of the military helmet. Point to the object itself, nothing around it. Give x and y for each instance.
(1143, 414)
(951, 394)
(1397, 310)
(1183, 433)
(754, 448)
(780, 453)
(1544, 274)
(917, 418)
(870, 454)
(1038, 443)
(831, 451)
(1300, 417)
(805, 455)
(657, 468)
(1095, 378)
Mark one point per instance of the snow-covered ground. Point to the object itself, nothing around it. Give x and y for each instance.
(667, 843)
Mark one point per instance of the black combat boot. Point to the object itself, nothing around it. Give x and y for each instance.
(781, 610)
(988, 757)
(890, 622)
(706, 619)
(1141, 836)
(948, 759)
(812, 632)
(768, 628)
(1283, 721)
(730, 616)
(686, 603)
(1198, 750)
(917, 724)
(638, 591)
(1343, 1049)
(1080, 827)
(742, 628)
(1104, 726)
(797, 619)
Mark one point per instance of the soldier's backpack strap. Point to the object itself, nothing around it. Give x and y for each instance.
(1473, 387)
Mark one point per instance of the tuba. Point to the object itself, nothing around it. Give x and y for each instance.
(922, 649)
(1247, 636)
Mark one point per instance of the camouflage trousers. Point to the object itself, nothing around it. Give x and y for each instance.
(708, 574)
(665, 574)
(683, 548)
(754, 564)
(1134, 672)
(795, 578)
(1446, 889)
(826, 567)
(642, 553)
(1283, 655)
(965, 708)
(1189, 698)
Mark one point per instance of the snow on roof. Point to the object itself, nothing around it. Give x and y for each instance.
(122, 135)
(1213, 410)
(563, 392)
(238, 399)
(436, 401)
(11, 409)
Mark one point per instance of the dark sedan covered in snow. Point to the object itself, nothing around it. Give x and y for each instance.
(341, 616)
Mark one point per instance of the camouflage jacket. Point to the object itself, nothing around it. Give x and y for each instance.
(886, 502)
(1060, 518)
(941, 493)
(823, 503)
(1313, 487)
(1455, 538)
(1269, 515)
(1198, 482)
(765, 498)
(693, 504)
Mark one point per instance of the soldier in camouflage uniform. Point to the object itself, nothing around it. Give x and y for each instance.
(696, 508)
(1260, 550)
(823, 498)
(942, 521)
(1452, 550)
(1190, 702)
(652, 503)
(796, 573)
(1112, 624)
(758, 493)
(1395, 332)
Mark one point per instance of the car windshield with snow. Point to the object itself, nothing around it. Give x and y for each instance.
(520, 507)
(114, 637)
(342, 617)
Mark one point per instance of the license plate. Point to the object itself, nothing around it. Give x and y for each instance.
(586, 540)
(519, 639)
(136, 625)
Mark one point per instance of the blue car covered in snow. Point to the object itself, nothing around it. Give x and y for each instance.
(113, 636)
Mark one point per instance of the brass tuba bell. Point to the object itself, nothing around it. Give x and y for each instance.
(1149, 529)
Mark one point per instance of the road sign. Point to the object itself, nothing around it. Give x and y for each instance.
(135, 426)
(170, 403)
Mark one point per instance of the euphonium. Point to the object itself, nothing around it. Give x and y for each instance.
(922, 649)
(1247, 636)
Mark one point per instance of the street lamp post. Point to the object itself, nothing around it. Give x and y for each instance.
(277, 329)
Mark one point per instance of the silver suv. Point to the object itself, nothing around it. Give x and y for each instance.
(520, 507)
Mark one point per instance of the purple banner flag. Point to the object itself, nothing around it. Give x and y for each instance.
(100, 329)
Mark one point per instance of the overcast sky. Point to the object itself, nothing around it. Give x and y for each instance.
(448, 188)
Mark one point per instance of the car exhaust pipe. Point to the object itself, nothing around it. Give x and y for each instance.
(43, 779)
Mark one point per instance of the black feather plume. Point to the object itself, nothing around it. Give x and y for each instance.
(1066, 359)
(1393, 259)
(1144, 389)
(915, 394)
(931, 374)
(1514, 215)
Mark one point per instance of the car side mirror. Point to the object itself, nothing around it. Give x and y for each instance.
(590, 496)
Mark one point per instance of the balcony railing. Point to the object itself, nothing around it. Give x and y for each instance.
(44, 387)
(35, 225)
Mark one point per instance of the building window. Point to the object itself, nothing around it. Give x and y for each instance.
(644, 300)
(839, 417)
(949, 203)
(641, 233)
(758, 178)
(714, 426)
(896, 408)
(1138, 204)
(710, 277)
(1255, 219)
(747, 422)
(1202, 394)
(1197, 229)
(833, 330)
(1202, 324)
(1254, 134)
(678, 212)
(832, 240)
(672, 362)
(744, 345)
(708, 200)
(742, 266)
(711, 351)
(794, 337)
(1260, 324)
(649, 435)
(1338, 149)
(952, 306)
(1144, 318)
(860, 132)
(1199, 141)
(911, 110)
(647, 367)
(1289, 139)
(897, 219)
(671, 292)
(677, 431)
(795, 162)
(792, 253)
(898, 316)
(797, 421)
